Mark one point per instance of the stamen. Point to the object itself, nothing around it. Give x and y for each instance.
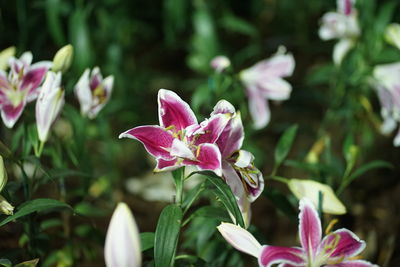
(328, 229)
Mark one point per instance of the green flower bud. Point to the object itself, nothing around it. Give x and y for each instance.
(63, 59)
(392, 34)
(5, 206)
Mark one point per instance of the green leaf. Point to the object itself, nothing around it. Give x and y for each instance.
(284, 145)
(89, 210)
(36, 205)
(212, 212)
(31, 263)
(5, 263)
(54, 21)
(224, 193)
(167, 234)
(147, 240)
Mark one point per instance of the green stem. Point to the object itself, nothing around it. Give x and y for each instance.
(38, 152)
(279, 179)
(179, 187)
(201, 189)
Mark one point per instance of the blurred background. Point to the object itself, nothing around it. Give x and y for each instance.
(148, 45)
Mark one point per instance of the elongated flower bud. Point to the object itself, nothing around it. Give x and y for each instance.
(63, 59)
(5, 206)
(49, 104)
(3, 174)
(122, 247)
(392, 34)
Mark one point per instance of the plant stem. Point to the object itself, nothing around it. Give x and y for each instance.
(279, 179)
(179, 186)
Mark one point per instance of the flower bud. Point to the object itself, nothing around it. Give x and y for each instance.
(311, 189)
(5, 55)
(392, 34)
(122, 247)
(63, 58)
(220, 63)
(3, 174)
(5, 206)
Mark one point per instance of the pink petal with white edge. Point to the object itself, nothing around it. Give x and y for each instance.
(166, 165)
(271, 255)
(347, 245)
(232, 179)
(286, 265)
(231, 139)
(155, 139)
(310, 231)
(211, 129)
(259, 109)
(355, 263)
(223, 107)
(11, 114)
(173, 111)
(345, 6)
(240, 239)
(208, 158)
(34, 77)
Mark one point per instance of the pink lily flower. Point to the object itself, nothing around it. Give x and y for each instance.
(337, 249)
(20, 86)
(342, 25)
(180, 140)
(387, 84)
(93, 92)
(238, 170)
(264, 81)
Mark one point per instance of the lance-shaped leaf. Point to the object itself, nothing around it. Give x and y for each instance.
(167, 235)
(284, 145)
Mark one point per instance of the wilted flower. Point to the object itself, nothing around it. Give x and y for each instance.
(220, 63)
(63, 58)
(238, 170)
(264, 81)
(387, 84)
(49, 104)
(337, 249)
(180, 140)
(311, 190)
(342, 25)
(93, 91)
(20, 86)
(5, 56)
(122, 247)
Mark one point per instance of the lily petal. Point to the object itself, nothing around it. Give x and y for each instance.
(156, 140)
(259, 109)
(208, 158)
(355, 263)
(223, 107)
(341, 244)
(231, 139)
(345, 6)
(173, 111)
(34, 77)
(240, 239)
(341, 49)
(279, 65)
(211, 129)
(310, 231)
(181, 150)
(166, 165)
(275, 89)
(11, 114)
(396, 140)
(83, 92)
(271, 255)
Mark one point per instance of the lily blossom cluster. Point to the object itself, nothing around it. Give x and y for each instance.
(386, 80)
(20, 86)
(214, 144)
(93, 92)
(342, 25)
(263, 81)
(336, 249)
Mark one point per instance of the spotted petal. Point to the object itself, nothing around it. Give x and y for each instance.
(173, 111)
(309, 227)
(240, 239)
(341, 244)
(271, 255)
(155, 139)
(210, 129)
